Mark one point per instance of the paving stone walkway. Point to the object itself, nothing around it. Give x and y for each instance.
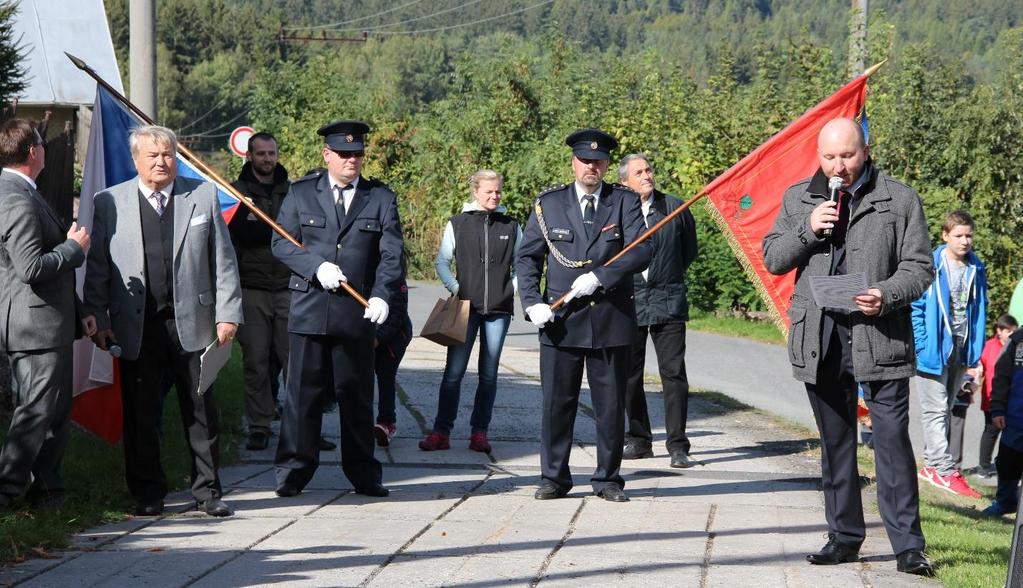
(746, 515)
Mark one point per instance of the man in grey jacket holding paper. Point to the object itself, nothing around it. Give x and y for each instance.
(876, 227)
(162, 283)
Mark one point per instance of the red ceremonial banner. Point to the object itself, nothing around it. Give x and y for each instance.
(746, 198)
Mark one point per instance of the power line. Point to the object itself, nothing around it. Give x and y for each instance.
(346, 22)
(207, 113)
(216, 128)
(464, 24)
(431, 15)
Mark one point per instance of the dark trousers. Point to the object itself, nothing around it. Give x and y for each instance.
(956, 432)
(670, 344)
(38, 433)
(1010, 469)
(264, 341)
(988, 439)
(833, 400)
(561, 373)
(386, 359)
(142, 383)
(318, 366)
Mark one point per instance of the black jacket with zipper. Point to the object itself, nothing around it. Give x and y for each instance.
(257, 266)
(661, 296)
(484, 256)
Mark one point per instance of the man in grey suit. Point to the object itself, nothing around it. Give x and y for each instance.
(162, 283)
(38, 257)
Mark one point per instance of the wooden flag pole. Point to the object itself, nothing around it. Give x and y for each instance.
(194, 159)
(647, 234)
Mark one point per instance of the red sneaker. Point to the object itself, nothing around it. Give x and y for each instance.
(927, 474)
(478, 442)
(955, 482)
(435, 441)
(384, 432)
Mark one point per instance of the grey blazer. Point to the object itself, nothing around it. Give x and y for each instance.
(38, 304)
(206, 285)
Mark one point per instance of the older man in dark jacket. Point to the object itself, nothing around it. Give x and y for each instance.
(662, 311)
(875, 228)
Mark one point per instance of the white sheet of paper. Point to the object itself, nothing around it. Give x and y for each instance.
(212, 359)
(837, 291)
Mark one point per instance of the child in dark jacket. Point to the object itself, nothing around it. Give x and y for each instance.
(1007, 415)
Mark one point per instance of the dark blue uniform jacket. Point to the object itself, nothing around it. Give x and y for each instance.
(608, 317)
(367, 246)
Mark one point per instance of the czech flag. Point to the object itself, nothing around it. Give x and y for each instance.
(97, 389)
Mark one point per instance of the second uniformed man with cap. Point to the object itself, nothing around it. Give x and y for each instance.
(350, 232)
(574, 229)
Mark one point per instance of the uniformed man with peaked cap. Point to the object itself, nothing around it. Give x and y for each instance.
(574, 229)
(350, 232)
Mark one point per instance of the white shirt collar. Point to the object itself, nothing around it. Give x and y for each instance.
(334, 182)
(30, 181)
(580, 191)
(148, 192)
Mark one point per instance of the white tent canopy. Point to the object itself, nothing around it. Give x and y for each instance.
(47, 29)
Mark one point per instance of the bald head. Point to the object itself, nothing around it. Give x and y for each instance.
(841, 150)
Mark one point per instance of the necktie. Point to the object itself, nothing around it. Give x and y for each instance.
(339, 195)
(160, 199)
(588, 210)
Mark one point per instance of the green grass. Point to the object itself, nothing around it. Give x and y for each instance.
(966, 548)
(722, 324)
(94, 476)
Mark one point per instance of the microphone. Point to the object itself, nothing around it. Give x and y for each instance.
(115, 350)
(834, 185)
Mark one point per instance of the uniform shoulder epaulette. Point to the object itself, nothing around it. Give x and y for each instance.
(617, 186)
(312, 175)
(550, 189)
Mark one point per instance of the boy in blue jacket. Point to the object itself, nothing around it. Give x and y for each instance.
(948, 329)
(1007, 415)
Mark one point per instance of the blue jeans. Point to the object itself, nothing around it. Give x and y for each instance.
(493, 328)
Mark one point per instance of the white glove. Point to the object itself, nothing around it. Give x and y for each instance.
(540, 314)
(330, 276)
(377, 310)
(584, 285)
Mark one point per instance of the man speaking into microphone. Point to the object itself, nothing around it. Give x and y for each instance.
(874, 225)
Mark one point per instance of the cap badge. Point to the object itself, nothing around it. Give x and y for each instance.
(593, 145)
(349, 138)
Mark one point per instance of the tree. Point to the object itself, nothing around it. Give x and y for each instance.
(12, 72)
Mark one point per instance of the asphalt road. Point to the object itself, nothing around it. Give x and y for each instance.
(755, 373)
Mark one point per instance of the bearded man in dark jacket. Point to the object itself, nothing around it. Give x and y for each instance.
(265, 294)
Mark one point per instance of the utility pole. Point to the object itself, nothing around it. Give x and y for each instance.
(142, 55)
(858, 38)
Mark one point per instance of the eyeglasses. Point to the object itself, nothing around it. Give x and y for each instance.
(349, 154)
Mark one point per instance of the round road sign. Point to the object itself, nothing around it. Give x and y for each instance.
(240, 140)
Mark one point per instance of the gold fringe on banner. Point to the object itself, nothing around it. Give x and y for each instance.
(747, 266)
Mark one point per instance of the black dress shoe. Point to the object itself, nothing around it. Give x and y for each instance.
(834, 552)
(376, 490)
(913, 561)
(681, 459)
(46, 499)
(149, 509)
(214, 507)
(637, 450)
(257, 441)
(548, 491)
(612, 493)
(326, 445)
(287, 490)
